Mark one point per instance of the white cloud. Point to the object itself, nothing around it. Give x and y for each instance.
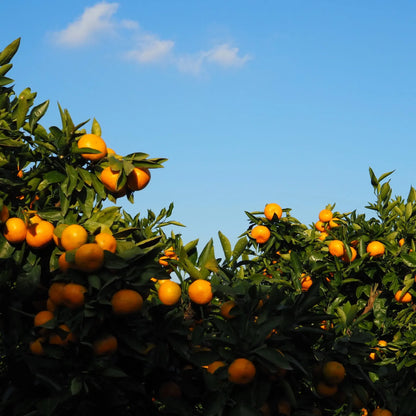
(226, 56)
(150, 49)
(95, 21)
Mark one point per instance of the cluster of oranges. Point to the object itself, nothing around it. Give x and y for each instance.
(261, 233)
(137, 179)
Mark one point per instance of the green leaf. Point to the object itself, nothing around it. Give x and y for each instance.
(226, 246)
(239, 248)
(9, 51)
(37, 113)
(96, 128)
(5, 68)
(373, 177)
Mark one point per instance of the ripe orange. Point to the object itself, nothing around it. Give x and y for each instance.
(334, 223)
(56, 292)
(138, 179)
(226, 308)
(260, 233)
(406, 298)
(89, 257)
(326, 390)
(353, 256)
(200, 291)
(36, 346)
(39, 234)
(105, 345)
(381, 412)
(110, 151)
(306, 282)
(241, 371)
(325, 215)
(109, 178)
(4, 214)
(336, 248)
(62, 340)
(95, 142)
(214, 366)
(58, 231)
(169, 293)
(320, 226)
(333, 372)
(106, 241)
(42, 317)
(126, 301)
(323, 235)
(271, 210)
(401, 242)
(15, 230)
(73, 295)
(73, 236)
(170, 252)
(63, 264)
(376, 249)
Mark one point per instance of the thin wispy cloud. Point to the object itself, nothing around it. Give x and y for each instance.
(147, 48)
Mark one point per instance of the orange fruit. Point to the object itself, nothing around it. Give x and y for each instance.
(15, 230)
(110, 151)
(92, 141)
(89, 257)
(39, 234)
(333, 372)
(401, 242)
(106, 241)
(58, 230)
(170, 389)
(42, 318)
(406, 298)
(325, 215)
(334, 223)
(36, 347)
(260, 233)
(320, 226)
(214, 366)
(109, 178)
(306, 282)
(126, 301)
(170, 252)
(63, 264)
(56, 292)
(336, 248)
(138, 179)
(226, 308)
(73, 236)
(73, 295)
(381, 412)
(323, 235)
(105, 345)
(4, 214)
(57, 339)
(376, 249)
(326, 390)
(241, 371)
(200, 291)
(271, 210)
(169, 293)
(353, 256)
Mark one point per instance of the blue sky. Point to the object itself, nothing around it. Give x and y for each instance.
(251, 102)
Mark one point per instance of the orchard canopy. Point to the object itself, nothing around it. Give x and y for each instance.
(103, 312)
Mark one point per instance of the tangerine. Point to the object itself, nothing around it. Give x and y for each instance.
(89, 257)
(336, 248)
(260, 233)
(106, 241)
(325, 215)
(110, 178)
(333, 372)
(39, 234)
(200, 291)
(226, 308)
(241, 371)
(271, 210)
(376, 249)
(214, 366)
(15, 230)
(169, 293)
(403, 298)
(73, 295)
(138, 179)
(36, 346)
(92, 141)
(126, 301)
(4, 214)
(105, 345)
(73, 236)
(42, 317)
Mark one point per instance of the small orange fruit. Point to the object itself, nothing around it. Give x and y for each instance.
(4, 214)
(336, 248)
(323, 235)
(381, 412)
(138, 179)
(334, 223)
(169, 293)
(89, 258)
(62, 339)
(105, 345)
(109, 178)
(106, 241)
(42, 317)
(325, 215)
(63, 264)
(39, 234)
(376, 249)
(214, 366)
(56, 291)
(126, 301)
(306, 282)
(36, 346)
(92, 141)
(326, 390)
(110, 151)
(73, 295)
(271, 210)
(15, 230)
(225, 309)
(260, 233)
(401, 242)
(73, 236)
(58, 231)
(320, 226)
(345, 257)
(200, 291)
(241, 371)
(333, 372)
(406, 298)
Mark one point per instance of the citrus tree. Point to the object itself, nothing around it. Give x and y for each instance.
(103, 312)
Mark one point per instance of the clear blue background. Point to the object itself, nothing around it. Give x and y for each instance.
(313, 93)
